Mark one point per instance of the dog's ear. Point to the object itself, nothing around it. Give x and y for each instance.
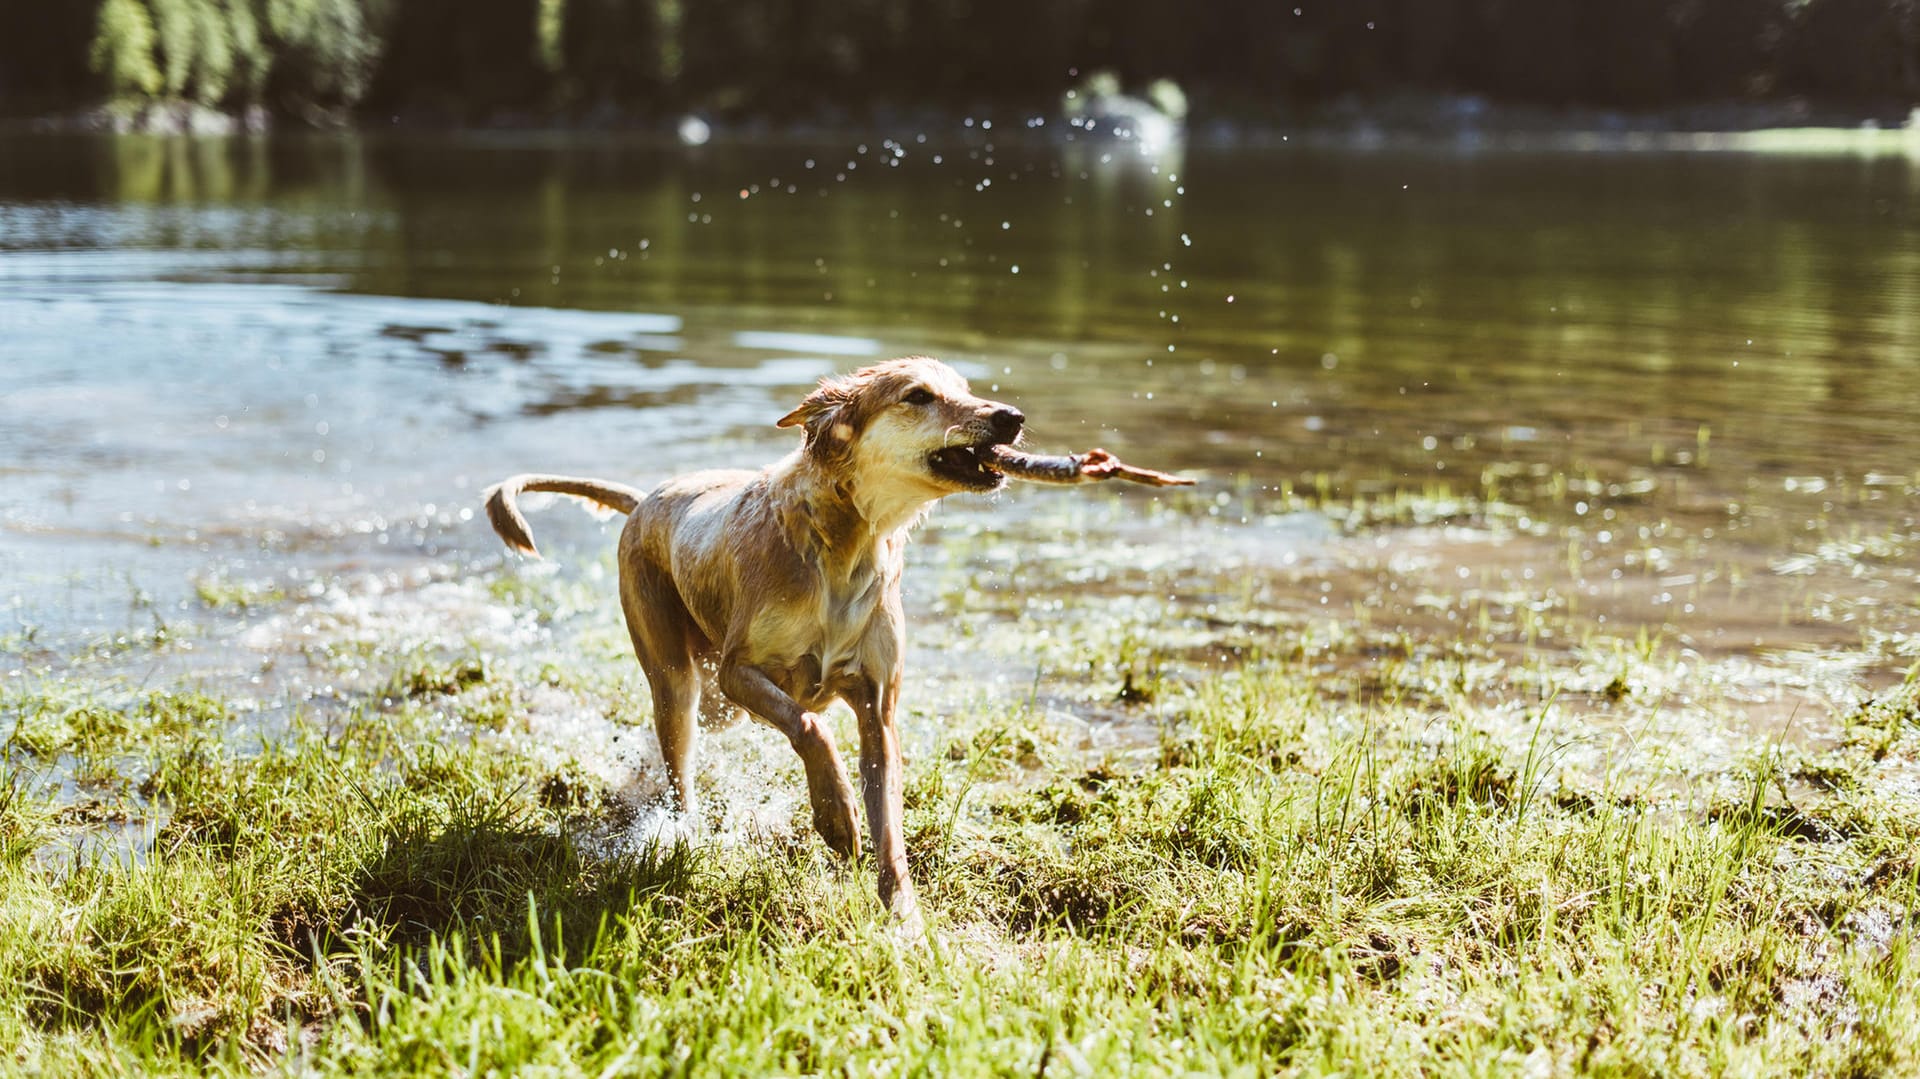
(806, 411)
(825, 414)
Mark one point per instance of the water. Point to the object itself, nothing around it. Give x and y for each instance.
(1518, 412)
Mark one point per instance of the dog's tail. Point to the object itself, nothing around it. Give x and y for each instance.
(511, 524)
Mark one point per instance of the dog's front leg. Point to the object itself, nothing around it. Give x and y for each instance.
(827, 787)
(880, 782)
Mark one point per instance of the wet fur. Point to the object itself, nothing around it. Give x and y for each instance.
(785, 583)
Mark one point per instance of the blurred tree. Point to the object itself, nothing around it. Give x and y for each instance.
(1138, 39)
(1728, 48)
(323, 53)
(1630, 52)
(548, 26)
(462, 58)
(1026, 48)
(195, 49)
(471, 59)
(724, 51)
(1855, 50)
(1427, 42)
(610, 51)
(247, 77)
(1530, 50)
(123, 49)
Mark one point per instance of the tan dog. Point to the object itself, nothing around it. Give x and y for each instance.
(785, 583)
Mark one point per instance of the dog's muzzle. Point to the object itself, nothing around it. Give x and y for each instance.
(962, 467)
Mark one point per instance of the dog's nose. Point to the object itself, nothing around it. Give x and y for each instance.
(1006, 421)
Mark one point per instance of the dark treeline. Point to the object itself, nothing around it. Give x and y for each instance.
(482, 59)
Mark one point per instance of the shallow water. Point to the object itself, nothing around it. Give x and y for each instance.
(1517, 414)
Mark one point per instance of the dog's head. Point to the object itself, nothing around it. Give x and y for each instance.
(911, 424)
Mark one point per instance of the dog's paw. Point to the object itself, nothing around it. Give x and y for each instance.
(903, 910)
(910, 928)
(836, 825)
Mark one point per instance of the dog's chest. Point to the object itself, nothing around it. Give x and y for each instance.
(832, 621)
(848, 615)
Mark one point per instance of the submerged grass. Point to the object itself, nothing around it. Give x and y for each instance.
(1292, 883)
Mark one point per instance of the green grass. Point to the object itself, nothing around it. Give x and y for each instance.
(1289, 884)
(222, 592)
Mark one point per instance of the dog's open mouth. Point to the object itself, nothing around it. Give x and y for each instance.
(961, 466)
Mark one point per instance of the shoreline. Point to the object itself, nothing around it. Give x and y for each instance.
(1445, 123)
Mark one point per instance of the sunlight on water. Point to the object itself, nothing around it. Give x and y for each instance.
(819, 343)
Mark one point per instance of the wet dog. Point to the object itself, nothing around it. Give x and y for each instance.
(784, 583)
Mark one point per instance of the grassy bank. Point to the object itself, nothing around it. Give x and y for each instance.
(1292, 878)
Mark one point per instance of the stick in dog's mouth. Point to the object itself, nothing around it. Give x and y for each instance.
(969, 464)
(1088, 467)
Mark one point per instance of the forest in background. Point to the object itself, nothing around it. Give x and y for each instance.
(493, 60)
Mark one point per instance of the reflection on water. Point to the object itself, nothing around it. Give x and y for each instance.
(1329, 312)
(1659, 392)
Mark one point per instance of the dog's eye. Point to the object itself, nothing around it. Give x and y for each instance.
(919, 395)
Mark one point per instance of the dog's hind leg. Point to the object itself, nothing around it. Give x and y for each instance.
(676, 699)
(662, 633)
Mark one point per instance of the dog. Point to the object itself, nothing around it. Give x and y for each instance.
(781, 588)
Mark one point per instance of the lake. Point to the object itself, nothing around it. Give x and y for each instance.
(1608, 441)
